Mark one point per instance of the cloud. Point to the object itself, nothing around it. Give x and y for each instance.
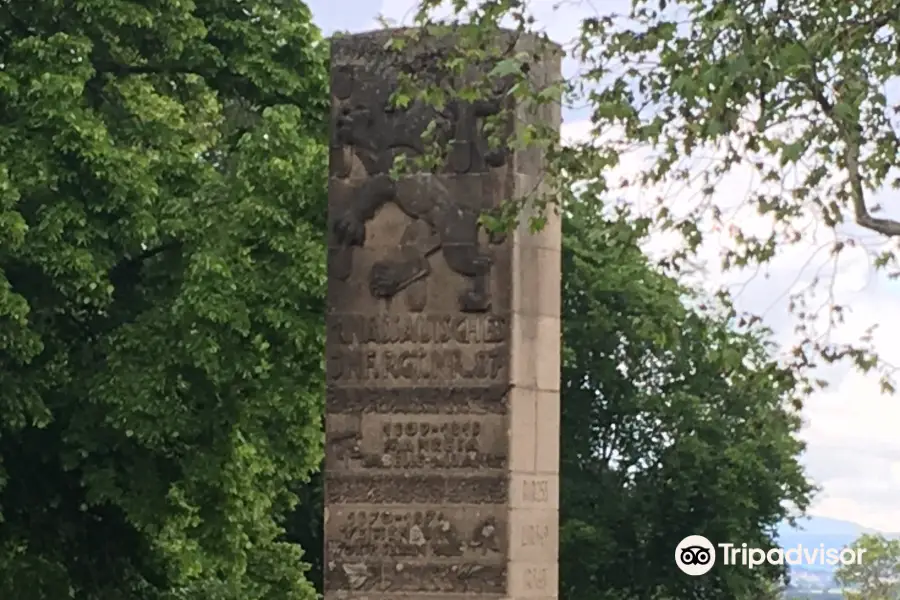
(851, 430)
(346, 15)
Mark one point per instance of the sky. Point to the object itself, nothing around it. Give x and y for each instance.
(853, 450)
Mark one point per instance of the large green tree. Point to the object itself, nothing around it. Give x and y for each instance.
(161, 288)
(676, 422)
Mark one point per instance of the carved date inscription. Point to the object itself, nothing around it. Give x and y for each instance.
(382, 441)
(536, 491)
(537, 579)
(417, 348)
(444, 445)
(535, 534)
(416, 534)
(449, 444)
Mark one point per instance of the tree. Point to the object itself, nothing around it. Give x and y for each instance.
(877, 576)
(162, 193)
(676, 423)
(794, 93)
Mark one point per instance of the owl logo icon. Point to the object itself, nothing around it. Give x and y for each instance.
(695, 555)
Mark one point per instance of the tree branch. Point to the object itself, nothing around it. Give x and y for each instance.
(851, 134)
(120, 69)
(864, 218)
(130, 262)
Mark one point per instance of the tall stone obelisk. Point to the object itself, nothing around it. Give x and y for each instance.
(443, 354)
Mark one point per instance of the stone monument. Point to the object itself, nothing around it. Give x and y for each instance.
(443, 351)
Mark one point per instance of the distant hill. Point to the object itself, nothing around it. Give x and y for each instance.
(827, 526)
(812, 532)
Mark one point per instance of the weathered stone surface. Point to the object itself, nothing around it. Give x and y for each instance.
(417, 534)
(440, 348)
(420, 400)
(404, 577)
(375, 486)
(352, 595)
(417, 441)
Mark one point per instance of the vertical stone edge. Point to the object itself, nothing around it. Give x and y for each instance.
(535, 356)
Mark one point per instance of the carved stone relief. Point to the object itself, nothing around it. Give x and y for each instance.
(475, 400)
(402, 577)
(469, 578)
(369, 128)
(378, 441)
(369, 131)
(350, 487)
(442, 220)
(420, 534)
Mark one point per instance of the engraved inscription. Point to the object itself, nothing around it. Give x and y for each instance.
(413, 444)
(403, 577)
(362, 488)
(487, 490)
(536, 578)
(416, 442)
(417, 329)
(421, 363)
(535, 535)
(475, 578)
(442, 445)
(470, 400)
(417, 348)
(535, 490)
(420, 534)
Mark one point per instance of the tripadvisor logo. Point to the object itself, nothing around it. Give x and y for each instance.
(696, 555)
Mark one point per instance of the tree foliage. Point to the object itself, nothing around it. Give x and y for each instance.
(795, 95)
(877, 576)
(675, 422)
(161, 296)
